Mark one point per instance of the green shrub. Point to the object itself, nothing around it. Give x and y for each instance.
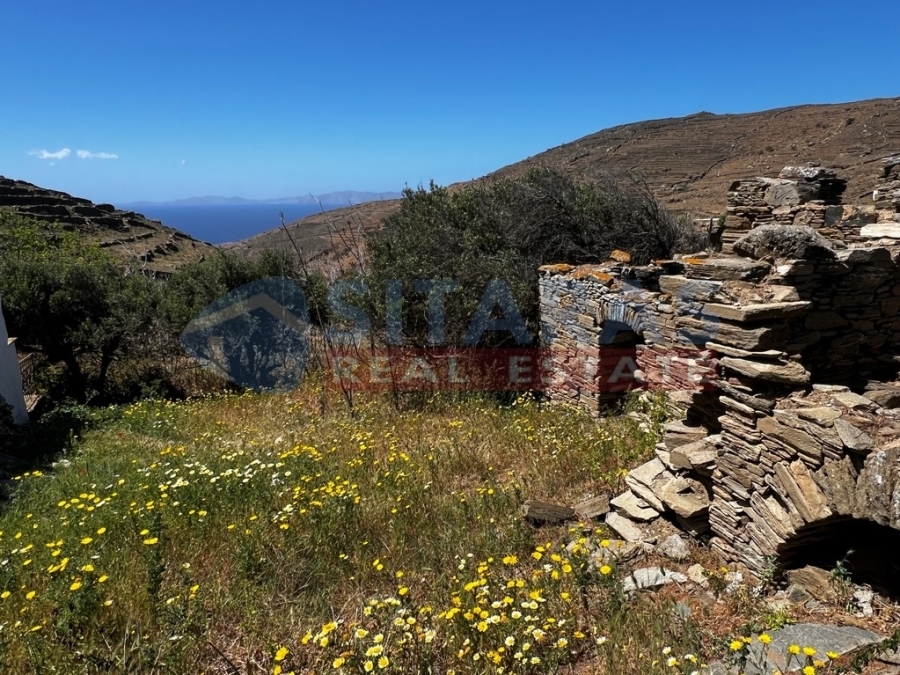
(506, 230)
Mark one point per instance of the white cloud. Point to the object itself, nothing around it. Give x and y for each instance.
(46, 154)
(87, 154)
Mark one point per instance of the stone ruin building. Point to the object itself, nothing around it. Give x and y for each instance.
(781, 357)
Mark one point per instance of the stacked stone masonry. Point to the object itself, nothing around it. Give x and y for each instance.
(813, 197)
(784, 370)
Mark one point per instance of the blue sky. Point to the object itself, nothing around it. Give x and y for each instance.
(271, 98)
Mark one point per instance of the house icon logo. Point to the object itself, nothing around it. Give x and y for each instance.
(256, 336)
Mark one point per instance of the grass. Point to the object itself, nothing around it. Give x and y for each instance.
(274, 534)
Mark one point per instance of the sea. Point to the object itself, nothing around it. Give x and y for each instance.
(222, 224)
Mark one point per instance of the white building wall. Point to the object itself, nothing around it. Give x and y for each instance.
(11, 375)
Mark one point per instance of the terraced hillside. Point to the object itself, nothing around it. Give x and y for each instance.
(689, 162)
(146, 243)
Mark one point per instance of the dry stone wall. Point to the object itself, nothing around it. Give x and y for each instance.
(784, 369)
(813, 196)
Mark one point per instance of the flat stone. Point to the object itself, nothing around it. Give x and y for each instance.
(822, 638)
(545, 513)
(700, 332)
(674, 547)
(686, 497)
(852, 401)
(853, 438)
(881, 230)
(891, 656)
(648, 480)
(697, 574)
(824, 417)
(758, 312)
(725, 269)
(664, 456)
(699, 456)
(633, 507)
(830, 388)
(785, 372)
(651, 577)
(746, 396)
(818, 583)
(693, 290)
(784, 293)
(676, 434)
(625, 528)
(886, 398)
(728, 350)
(592, 508)
(864, 255)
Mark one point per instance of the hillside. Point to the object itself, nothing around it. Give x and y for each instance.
(147, 243)
(689, 162)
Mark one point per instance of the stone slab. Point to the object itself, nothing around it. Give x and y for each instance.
(881, 231)
(633, 507)
(651, 577)
(758, 312)
(785, 372)
(822, 638)
(725, 269)
(625, 528)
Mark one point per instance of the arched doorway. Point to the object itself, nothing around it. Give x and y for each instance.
(863, 550)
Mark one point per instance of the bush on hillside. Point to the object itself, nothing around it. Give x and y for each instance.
(108, 333)
(506, 230)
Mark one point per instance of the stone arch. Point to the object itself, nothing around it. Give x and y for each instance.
(869, 553)
(818, 515)
(620, 340)
(620, 312)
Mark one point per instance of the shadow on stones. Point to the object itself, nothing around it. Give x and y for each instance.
(869, 552)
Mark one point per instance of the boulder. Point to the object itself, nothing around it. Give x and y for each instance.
(769, 242)
(686, 497)
(886, 397)
(618, 551)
